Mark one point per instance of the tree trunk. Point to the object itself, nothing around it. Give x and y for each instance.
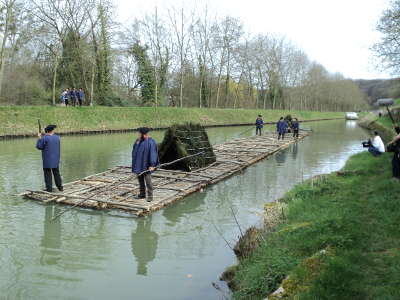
(181, 88)
(9, 7)
(92, 86)
(55, 79)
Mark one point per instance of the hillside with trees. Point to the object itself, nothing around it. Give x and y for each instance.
(375, 89)
(178, 56)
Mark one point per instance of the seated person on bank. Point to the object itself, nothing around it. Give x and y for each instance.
(376, 146)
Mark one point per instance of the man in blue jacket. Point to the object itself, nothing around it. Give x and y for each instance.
(49, 144)
(72, 96)
(144, 162)
(81, 96)
(281, 128)
(295, 127)
(259, 125)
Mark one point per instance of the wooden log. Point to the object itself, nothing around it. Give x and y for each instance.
(97, 200)
(183, 173)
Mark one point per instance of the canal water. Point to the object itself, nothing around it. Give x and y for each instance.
(177, 253)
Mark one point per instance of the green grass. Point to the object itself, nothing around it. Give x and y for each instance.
(23, 119)
(355, 217)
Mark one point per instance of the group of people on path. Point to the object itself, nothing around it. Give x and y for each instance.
(282, 127)
(72, 96)
(144, 160)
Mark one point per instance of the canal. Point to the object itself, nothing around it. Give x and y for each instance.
(175, 254)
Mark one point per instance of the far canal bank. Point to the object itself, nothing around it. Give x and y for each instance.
(86, 254)
(22, 121)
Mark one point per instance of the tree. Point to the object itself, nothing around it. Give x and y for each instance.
(388, 49)
(181, 23)
(145, 72)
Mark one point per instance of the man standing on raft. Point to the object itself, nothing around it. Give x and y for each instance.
(144, 162)
(49, 144)
(259, 125)
(296, 128)
(281, 128)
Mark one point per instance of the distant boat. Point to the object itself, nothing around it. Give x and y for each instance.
(351, 116)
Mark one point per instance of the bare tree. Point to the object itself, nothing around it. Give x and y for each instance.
(182, 22)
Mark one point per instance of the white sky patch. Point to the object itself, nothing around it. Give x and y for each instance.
(335, 33)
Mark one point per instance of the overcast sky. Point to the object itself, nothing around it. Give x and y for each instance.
(336, 33)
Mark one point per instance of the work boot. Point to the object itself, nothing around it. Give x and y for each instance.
(149, 198)
(60, 188)
(140, 197)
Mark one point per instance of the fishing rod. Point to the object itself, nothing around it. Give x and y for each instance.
(160, 167)
(247, 130)
(115, 184)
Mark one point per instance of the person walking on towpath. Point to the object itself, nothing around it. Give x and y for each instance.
(81, 96)
(259, 125)
(49, 144)
(144, 162)
(281, 128)
(295, 127)
(66, 97)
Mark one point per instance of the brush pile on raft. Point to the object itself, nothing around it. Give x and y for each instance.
(186, 140)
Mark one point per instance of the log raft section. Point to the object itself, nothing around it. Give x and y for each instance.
(115, 188)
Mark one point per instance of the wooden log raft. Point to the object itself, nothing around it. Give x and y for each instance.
(114, 190)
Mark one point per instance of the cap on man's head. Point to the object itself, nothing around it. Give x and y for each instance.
(260, 116)
(50, 128)
(144, 130)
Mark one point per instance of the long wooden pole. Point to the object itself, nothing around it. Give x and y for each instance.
(247, 130)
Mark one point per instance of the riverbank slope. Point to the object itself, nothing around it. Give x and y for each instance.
(383, 124)
(22, 120)
(338, 239)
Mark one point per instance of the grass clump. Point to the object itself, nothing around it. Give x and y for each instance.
(353, 215)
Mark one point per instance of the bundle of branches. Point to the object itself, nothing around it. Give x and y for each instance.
(289, 120)
(182, 140)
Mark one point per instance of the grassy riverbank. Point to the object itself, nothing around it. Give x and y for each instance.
(15, 120)
(339, 239)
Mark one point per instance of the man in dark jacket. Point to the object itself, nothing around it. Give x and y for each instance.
(259, 125)
(295, 127)
(144, 162)
(81, 96)
(49, 144)
(281, 128)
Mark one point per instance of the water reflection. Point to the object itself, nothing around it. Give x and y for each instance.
(173, 215)
(294, 150)
(280, 157)
(351, 124)
(144, 244)
(51, 239)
